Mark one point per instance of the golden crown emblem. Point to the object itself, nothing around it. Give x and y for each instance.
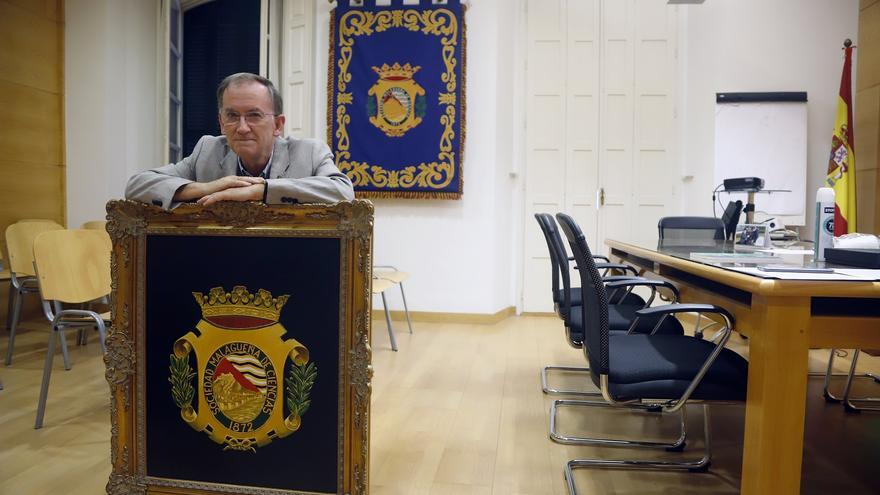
(396, 71)
(240, 302)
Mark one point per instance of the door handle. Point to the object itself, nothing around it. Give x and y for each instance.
(601, 195)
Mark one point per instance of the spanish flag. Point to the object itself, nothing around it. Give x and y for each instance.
(842, 163)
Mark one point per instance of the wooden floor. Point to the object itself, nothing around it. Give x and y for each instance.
(458, 410)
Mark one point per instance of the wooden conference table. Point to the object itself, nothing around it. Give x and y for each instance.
(783, 320)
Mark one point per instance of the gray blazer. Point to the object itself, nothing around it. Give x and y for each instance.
(302, 172)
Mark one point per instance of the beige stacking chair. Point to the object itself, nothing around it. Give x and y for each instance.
(95, 225)
(395, 276)
(20, 246)
(380, 285)
(72, 267)
(12, 292)
(4, 274)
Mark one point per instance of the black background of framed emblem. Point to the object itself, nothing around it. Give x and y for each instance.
(308, 269)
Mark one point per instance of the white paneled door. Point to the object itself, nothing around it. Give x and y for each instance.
(297, 66)
(600, 128)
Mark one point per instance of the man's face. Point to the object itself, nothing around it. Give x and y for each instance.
(249, 137)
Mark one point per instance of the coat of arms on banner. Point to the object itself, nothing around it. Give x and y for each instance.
(396, 97)
(399, 102)
(253, 387)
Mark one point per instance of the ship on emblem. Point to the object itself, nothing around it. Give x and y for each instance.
(396, 102)
(253, 386)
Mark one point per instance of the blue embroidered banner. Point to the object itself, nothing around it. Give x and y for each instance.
(396, 99)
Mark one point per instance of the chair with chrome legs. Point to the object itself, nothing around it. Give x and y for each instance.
(623, 307)
(20, 246)
(379, 286)
(852, 404)
(622, 318)
(395, 276)
(12, 290)
(72, 267)
(565, 296)
(829, 372)
(663, 371)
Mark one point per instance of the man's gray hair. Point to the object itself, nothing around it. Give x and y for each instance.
(245, 77)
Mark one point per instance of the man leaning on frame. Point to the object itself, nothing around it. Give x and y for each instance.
(250, 161)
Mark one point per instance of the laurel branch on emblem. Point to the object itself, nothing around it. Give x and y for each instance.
(182, 390)
(298, 384)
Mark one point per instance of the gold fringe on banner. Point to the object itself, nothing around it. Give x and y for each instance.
(330, 65)
(406, 195)
(463, 83)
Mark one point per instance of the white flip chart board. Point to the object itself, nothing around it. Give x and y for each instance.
(764, 135)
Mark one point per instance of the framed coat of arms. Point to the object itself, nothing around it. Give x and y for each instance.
(396, 97)
(239, 356)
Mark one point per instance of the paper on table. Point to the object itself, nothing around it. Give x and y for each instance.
(840, 274)
(789, 275)
(786, 251)
(741, 257)
(860, 273)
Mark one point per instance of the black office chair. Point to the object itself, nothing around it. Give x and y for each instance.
(564, 296)
(624, 303)
(560, 266)
(686, 230)
(691, 228)
(634, 368)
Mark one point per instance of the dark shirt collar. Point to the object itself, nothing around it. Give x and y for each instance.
(242, 172)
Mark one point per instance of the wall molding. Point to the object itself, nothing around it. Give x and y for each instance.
(443, 317)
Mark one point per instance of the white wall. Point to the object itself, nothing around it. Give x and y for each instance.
(464, 254)
(460, 253)
(756, 45)
(110, 100)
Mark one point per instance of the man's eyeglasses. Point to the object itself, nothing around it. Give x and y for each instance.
(233, 119)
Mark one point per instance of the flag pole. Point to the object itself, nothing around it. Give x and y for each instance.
(841, 175)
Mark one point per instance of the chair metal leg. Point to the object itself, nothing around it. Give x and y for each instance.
(61, 333)
(9, 303)
(16, 312)
(63, 338)
(405, 307)
(388, 321)
(698, 332)
(44, 388)
(850, 404)
(699, 465)
(678, 444)
(545, 382)
(102, 334)
(826, 390)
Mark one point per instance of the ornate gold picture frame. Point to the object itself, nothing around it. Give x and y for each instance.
(239, 355)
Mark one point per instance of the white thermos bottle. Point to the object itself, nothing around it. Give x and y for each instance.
(824, 222)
